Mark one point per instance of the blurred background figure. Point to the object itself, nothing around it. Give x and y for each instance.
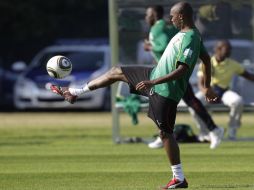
(213, 16)
(223, 70)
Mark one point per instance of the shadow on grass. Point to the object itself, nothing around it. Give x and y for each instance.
(24, 143)
(250, 186)
(241, 139)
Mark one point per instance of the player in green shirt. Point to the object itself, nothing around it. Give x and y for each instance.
(160, 33)
(159, 36)
(160, 83)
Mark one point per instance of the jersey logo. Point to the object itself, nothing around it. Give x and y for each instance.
(187, 53)
(151, 92)
(158, 122)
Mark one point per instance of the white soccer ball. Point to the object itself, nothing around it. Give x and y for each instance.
(59, 66)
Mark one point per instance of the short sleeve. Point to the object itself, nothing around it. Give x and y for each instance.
(239, 69)
(188, 50)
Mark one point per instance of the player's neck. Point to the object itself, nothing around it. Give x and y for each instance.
(219, 59)
(187, 26)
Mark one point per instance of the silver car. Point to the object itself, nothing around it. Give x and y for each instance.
(89, 61)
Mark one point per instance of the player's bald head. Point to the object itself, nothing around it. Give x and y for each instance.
(222, 49)
(183, 8)
(223, 43)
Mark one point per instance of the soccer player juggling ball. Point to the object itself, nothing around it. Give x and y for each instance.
(159, 36)
(164, 84)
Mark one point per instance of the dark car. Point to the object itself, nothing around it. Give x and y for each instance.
(7, 81)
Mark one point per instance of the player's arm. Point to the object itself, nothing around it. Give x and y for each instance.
(147, 45)
(248, 75)
(176, 74)
(206, 61)
(160, 42)
(205, 80)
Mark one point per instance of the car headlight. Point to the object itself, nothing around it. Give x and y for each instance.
(25, 86)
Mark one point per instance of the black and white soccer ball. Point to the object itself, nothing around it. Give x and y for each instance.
(59, 66)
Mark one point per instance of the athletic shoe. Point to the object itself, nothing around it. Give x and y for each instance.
(64, 92)
(216, 136)
(156, 144)
(176, 184)
(204, 137)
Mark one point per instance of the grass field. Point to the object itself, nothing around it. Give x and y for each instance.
(74, 151)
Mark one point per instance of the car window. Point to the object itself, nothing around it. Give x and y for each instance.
(80, 60)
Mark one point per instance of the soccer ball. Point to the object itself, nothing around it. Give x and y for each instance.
(59, 66)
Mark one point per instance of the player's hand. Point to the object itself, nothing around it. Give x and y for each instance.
(144, 85)
(147, 45)
(210, 95)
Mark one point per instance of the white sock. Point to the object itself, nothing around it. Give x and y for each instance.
(79, 91)
(178, 172)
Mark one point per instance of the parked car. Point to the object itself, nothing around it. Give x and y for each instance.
(8, 78)
(89, 61)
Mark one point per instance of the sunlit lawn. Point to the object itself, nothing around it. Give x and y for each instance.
(63, 151)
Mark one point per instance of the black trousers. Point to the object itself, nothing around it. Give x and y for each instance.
(193, 102)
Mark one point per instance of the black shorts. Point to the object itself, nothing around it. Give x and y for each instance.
(136, 74)
(161, 110)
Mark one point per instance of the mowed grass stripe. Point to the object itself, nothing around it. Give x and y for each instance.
(124, 162)
(72, 151)
(114, 180)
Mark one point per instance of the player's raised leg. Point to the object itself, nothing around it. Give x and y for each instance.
(70, 94)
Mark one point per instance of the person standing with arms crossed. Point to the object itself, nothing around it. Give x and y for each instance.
(164, 84)
(159, 36)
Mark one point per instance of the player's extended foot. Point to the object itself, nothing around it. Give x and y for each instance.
(176, 184)
(64, 92)
(156, 144)
(216, 136)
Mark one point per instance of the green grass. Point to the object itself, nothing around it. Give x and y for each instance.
(74, 151)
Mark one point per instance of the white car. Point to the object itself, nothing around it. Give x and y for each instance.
(89, 61)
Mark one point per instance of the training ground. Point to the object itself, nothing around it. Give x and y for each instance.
(74, 151)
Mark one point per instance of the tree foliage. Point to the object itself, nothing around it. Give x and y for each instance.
(27, 26)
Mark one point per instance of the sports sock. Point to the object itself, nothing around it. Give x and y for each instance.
(178, 172)
(79, 91)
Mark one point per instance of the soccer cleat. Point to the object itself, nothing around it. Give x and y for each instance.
(176, 184)
(156, 144)
(204, 137)
(216, 136)
(64, 92)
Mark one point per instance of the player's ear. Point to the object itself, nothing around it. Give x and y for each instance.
(180, 16)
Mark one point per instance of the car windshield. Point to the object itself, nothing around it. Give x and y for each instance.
(81, 60)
